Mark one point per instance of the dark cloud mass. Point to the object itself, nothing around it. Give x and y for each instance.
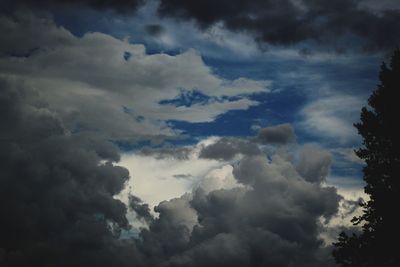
(292, 21)
(56, 189)
(118, 5)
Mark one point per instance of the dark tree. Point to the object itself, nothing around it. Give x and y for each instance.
(378, 243)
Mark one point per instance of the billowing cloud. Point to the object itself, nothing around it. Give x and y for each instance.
(250, 210)
(294, 21)
(56, 190)
(271, 219)
(100, 74)
(278, 134)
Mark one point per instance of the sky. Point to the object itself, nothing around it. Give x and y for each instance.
(183, 132)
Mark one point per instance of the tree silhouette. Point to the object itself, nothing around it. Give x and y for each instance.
(377, 244)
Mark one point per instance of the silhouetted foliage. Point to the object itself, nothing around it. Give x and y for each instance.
(377, 245)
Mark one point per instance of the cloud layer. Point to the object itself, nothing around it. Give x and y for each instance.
(293, 21)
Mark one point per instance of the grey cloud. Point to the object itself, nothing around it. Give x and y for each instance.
(289, 22)
(278, 134)
(272, 221)
(314, 163)
(56, 189)
(226, 148)
(122, 6)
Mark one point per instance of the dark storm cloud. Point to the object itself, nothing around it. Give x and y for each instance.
(278, 134)
(288, 22)
(226, 148)
(118, 5)
(56, 189)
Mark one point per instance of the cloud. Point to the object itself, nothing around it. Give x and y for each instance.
(250, 210)
(123, 6)
(349, 207)
(63, 193)
(154, 173)
(272, 219)
(141, 209)
(291, 22)
(314, 163)
(173, 152)
(278, 134)
(56, 189)
(154, 30)
(100, 74)
(332, 117)
(227, 148)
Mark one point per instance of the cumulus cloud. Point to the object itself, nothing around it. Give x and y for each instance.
(250, 210)
(56, 190)
(278, 134)
(289, 22)
(271, 219)
(100, 74)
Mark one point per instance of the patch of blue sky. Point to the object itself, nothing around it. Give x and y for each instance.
(351, 170)
(274, 108)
